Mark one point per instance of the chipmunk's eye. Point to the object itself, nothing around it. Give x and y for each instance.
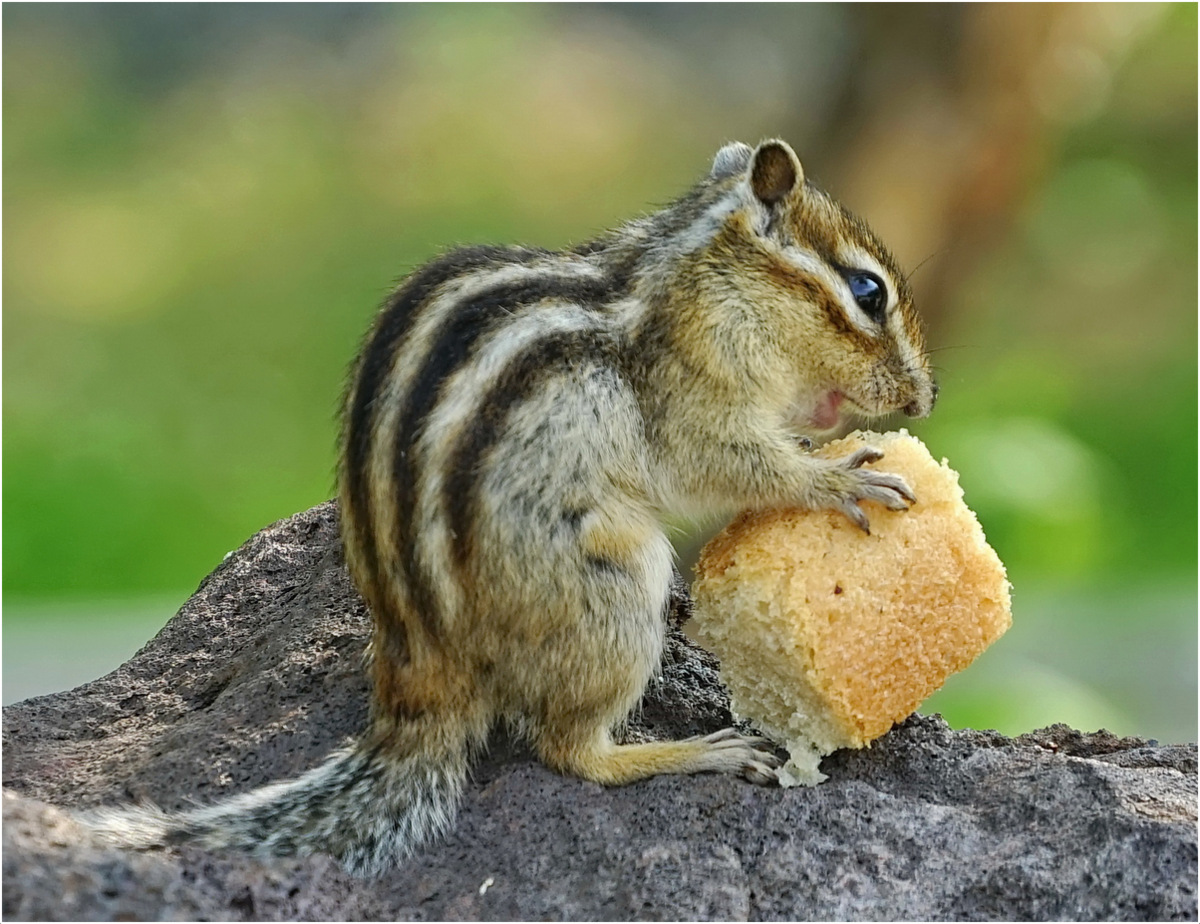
(870, 293)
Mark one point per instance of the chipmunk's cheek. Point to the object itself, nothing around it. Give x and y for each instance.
(827, 413)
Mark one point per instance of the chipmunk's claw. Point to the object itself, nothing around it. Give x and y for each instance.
(863, 456)
(856, 515)
(882, 487)
(754, 758)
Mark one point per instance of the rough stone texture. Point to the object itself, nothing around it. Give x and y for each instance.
(54, 871)
(259, 676)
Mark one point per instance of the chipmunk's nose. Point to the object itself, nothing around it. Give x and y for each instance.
(919, 407)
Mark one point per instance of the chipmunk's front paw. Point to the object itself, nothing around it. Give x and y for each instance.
(861, 484)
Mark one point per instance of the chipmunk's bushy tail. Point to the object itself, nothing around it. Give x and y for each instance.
(369, 806)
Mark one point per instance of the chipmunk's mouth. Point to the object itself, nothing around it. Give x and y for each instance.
(827, 413)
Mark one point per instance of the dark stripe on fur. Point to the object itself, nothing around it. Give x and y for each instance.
(543, 359)
(392, 325)
(450, 351)
(605, 567)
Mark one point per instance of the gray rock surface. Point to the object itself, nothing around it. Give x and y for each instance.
(259, 676)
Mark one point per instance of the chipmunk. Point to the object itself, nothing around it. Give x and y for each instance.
(515, 429)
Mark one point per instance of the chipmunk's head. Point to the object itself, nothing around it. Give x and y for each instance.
(822, 300)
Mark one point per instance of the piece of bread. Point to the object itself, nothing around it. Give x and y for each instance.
(827, 636)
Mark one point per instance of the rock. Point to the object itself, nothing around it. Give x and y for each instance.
(258, 676)
(55, 871)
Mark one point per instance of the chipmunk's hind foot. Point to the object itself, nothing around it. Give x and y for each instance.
(603, 761)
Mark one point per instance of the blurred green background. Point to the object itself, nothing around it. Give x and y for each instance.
(204, 204)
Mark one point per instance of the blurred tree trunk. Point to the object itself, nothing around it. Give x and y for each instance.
(941, 140)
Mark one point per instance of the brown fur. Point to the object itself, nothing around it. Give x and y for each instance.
(518, 425)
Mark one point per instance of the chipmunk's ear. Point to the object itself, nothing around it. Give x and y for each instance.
(774, 172)
(731, 159)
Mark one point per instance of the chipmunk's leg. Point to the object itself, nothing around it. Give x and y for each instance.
(594, 756)
(616, 648)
